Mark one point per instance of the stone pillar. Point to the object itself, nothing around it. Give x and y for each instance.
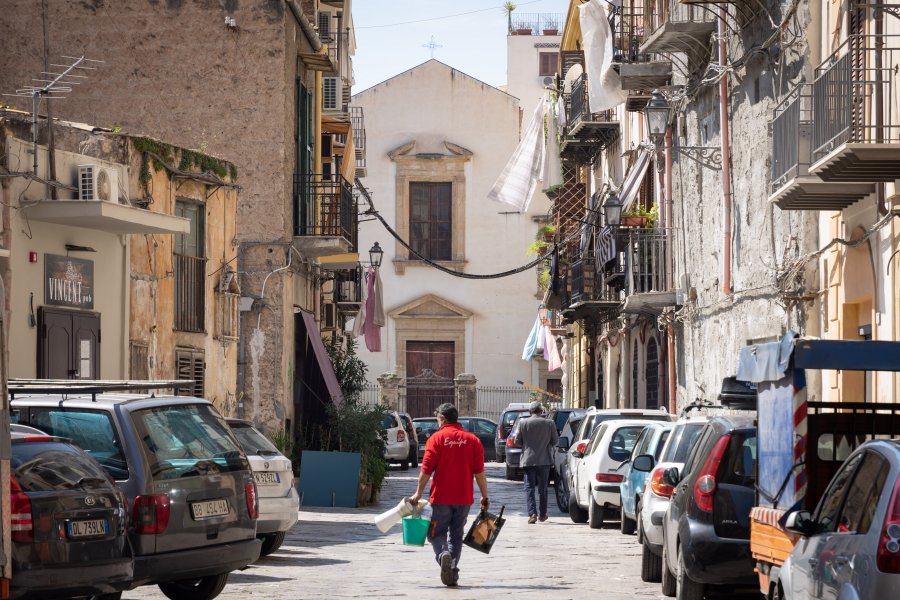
(390, 390)
(466, 394)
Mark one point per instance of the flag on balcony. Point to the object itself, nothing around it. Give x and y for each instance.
(605, 247)
(519, 177)
(604, 86)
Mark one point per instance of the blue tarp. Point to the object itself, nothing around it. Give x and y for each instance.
(766, 362)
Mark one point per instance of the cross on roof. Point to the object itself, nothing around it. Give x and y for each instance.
(431, 45)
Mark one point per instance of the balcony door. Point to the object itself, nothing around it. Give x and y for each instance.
(68, 344)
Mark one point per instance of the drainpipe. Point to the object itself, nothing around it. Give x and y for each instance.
(670, 270)
(726, 161)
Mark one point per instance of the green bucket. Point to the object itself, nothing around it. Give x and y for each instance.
(415, 531)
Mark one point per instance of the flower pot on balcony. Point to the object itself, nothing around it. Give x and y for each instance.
(551, 32)
(523, 31)
(634, 221)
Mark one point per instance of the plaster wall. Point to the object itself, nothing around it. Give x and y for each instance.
(430, 104)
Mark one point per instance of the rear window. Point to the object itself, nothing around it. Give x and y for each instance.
(389, 422)
(92, 430)
(739, 465)
(252, 441)
(683, 439)
(661, 443)
(51, 466)
(560, 419)
(510, 417)
(622, 442)
(426, 426)
(186, 441)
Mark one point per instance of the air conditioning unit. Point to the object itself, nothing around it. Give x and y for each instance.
(98, 183)
(548, 80)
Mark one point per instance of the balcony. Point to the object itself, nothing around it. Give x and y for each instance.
(348, 289)
(586, 295)
(640, 73)
(855, 124)
(644, 256)
(357, 121)
(586, 133)
(337, 44)
(536, 23)
(325, 217)
(672, 26)
(793, 187)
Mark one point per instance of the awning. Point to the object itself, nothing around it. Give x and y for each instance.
(325, 366)
(632, 183)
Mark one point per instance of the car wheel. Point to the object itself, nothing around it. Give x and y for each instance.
(414, 459)
(651, 565)
(576, 513)
(687, 588)
(667, 578)
(271, 542)
(640, 524)
(404, 465)
(562, 494)
(626, 525)
(205, 588)
(777, 593)
(596, 513)
(510, 472)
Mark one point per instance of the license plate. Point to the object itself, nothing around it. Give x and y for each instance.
(82, 529)
(209, 508)
(266, 478)
(421, 446)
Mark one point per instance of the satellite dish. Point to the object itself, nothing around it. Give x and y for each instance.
(574, 72)
(103, 187)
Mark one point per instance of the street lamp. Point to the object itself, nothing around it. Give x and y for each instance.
(612, 209)
(375, 255)
(657, 115)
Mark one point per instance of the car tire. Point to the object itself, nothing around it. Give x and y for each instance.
(561, 488)
(777, 593)
(596, 514)
(626, 525)
(510, 473)
(404, 465)
(667, 578)
(640, 524)
(651, 565)
(204, 588)
(271, 542)
(576, 513)
(687, 588)
(414, 459)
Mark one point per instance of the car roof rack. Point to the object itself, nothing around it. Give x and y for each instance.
(91, 386)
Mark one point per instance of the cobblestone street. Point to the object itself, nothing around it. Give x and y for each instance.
(338, 553)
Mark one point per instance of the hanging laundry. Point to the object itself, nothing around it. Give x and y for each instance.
(531, 343)
(551, 175)
(360, 321)
(555, 361)
(604, 86)
(519, 177)
(374, 318)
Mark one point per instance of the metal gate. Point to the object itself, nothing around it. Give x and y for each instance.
(422, 394)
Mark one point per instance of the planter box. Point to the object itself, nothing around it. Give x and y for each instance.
(638, 221)
(523, 31)
(551, 32)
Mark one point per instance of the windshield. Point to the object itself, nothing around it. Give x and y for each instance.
(187, 440)
(252, 441)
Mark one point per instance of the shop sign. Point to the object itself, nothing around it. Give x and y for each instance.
(68, 281)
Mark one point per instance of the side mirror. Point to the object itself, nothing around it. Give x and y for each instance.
(671, 476)
(643, 463)
(563, 443)
(800, 522)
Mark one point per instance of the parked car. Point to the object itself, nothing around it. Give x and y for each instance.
(650, 442)
(592, 419)
(396, 442)
(410, 429)
(706, 530)
(514, 450)
(573, 418)
(484, 429)
(192, 499)
(504, 425)
(655, 499)
(596, 479)
(68, 522)
(279, 502)
(850, 546)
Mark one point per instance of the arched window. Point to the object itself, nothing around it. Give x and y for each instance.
(634, 377)
(651, 373)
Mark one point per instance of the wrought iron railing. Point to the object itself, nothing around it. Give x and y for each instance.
(644, 257)
(791, 125)
(628, 33)
(578, 107)
(359, 129)
(324, 206)
(855, 94)
(536, 23)
(348, 287)
(190, 294)
(659, 12)
(338, 44)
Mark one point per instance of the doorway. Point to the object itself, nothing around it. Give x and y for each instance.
(429, 376)
(68, 344)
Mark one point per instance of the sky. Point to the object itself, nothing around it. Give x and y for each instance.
(473, 43)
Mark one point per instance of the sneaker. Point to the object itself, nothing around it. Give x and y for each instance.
(532, 519)
(447, 569)
(543, 518)
(455, 576)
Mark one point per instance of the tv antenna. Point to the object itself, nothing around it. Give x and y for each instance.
(52, 86)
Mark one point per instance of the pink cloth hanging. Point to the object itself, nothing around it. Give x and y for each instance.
(374, 317)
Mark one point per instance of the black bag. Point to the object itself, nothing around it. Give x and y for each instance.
(484, 531)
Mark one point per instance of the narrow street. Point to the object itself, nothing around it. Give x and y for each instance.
(338, 553)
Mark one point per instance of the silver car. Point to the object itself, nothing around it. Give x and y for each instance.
(850, 546)
(279, 501)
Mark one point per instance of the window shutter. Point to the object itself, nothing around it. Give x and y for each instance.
(329, 93)
(140, 363)
(190, 364)
(325, 26)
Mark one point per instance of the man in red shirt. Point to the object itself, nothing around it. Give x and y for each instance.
(455, 457)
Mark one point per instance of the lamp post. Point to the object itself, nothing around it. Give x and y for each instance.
(612, 209)
(658, 113)
(375, 255)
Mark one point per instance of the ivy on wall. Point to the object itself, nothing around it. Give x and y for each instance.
(162, 154)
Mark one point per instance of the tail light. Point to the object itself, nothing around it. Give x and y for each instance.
(609, 477)
(511, 442)
(252, 500)
(888, 557)
(705, 486)
(151, 514)
(659, 488)
(581, 447)
(401, 436)
(21, 523)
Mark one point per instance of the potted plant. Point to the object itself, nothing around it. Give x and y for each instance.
(551, 27)
(524, 29)
(639, 217)
(508, 8)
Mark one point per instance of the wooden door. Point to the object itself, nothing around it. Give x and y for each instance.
(430, 369)
(68, 344)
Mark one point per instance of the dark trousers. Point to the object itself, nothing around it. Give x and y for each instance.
(446, 530)
(537, 477)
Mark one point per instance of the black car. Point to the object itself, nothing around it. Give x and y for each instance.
(68, 522)
(484, 430)
(504, 426)
(706, 530)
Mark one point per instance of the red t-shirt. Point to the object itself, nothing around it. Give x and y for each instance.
(454, 456)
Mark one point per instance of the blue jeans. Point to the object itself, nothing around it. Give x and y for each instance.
(537, 477)
(446, 530)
